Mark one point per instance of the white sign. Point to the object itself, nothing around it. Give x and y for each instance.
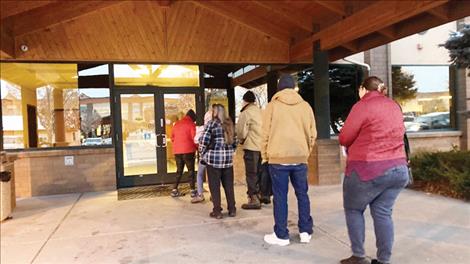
(68, 160)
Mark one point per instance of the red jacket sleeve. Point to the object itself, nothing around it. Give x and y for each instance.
(193, 133)
(352, 126)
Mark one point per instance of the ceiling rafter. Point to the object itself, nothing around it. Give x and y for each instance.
(52, 14)
(337, 7)
(441, 12)
(7, 42)
(388, 32)
(285, 11)
(355, 26)
(243, 17)
(163, 3)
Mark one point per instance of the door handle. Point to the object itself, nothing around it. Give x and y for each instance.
(156, 141)
(163, 140)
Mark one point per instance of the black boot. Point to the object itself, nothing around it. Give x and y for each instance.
(253, 203)
(265, 200)
(374, 261)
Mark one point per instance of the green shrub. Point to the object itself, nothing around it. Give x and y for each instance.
(450, 168)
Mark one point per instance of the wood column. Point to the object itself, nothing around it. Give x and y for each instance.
(231, 97)
(322, 91)
(272, 77)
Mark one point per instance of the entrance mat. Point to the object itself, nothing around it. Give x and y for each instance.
(150, 191)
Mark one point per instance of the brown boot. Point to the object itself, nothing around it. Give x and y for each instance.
(253, 203)
(355, 260)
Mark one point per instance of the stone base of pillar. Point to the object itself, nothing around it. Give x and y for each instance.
(326, 164)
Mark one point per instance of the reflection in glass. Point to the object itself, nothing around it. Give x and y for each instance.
(215, 96)
(423, 92)
(12, 115)
(65, 114)
(156, 75)
(176, 106)
(95, 116)
(138, 134)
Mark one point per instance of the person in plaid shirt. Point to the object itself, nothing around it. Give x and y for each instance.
(217, 146)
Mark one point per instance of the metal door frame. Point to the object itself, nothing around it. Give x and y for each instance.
(162, 176)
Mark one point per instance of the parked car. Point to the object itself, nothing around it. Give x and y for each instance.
(107, 141)
(92, 142)
(436, 120)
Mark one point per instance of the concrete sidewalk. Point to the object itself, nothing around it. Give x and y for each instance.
(96, 228)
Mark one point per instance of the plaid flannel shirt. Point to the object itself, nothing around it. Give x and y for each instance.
(221, 154)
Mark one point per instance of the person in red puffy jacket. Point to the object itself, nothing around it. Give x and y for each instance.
(184, 149)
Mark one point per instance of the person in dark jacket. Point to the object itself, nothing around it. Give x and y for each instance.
(376, 169)
(184, 149)
(217, 146)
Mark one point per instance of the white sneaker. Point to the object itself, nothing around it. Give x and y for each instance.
(305, 237)
(272, 239)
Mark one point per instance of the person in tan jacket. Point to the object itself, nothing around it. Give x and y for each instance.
(288, 138)
(249, 136)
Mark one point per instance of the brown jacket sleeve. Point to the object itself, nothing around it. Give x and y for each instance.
(312, 130)
(266, 128)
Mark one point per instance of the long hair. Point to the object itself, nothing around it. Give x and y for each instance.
(218, 112)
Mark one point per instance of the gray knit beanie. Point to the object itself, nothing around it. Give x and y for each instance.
(286, 82)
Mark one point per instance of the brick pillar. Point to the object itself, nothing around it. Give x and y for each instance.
(380, 64)
(462, 101)
(327, 163)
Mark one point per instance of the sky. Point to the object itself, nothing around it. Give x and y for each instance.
(430, 78)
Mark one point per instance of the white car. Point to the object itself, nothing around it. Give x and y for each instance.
(92, 142)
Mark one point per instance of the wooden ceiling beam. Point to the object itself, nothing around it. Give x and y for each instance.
(352, 46)
(388, 32)
(250, 76)
(7, 42)
(285, 11)
(164, 3)
(386, 13)
(255, 74)
(337, 7)
(52, 14)
(232, 10)
(441, 12)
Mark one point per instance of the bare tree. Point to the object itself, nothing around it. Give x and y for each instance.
(71, 109)
(45, 111)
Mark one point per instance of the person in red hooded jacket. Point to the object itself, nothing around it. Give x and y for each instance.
(184, 149)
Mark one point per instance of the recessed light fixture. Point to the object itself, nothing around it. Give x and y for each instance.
(24, 47)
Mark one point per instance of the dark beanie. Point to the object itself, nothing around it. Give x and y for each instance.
(286, 81)
(191, 114)
(249, 97)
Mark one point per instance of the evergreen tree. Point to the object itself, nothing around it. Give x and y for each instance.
(459, 47)
(403, 85)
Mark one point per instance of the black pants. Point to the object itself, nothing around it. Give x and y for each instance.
(252, 170)
(225, 176)
(181, 160)
(265, 181)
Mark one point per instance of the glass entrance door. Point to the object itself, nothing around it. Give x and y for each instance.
(144, 122)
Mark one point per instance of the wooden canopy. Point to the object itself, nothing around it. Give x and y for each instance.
(239, 32)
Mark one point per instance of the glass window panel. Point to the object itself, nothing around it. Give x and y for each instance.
(215, 96)
(156, 75)
(138, 135)
(424, 95)
(176, 107)
(261, 93)
(61, 113)
(12, 114)
(95, 116)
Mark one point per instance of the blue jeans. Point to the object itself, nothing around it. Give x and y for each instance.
(201, 171)
(380, 194)
(280, 176)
